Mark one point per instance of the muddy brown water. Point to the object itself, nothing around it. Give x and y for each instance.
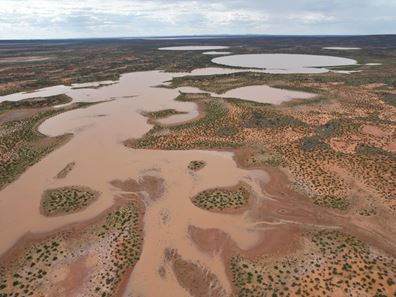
(256, 93)
(100, 157)
(340, 48)
(23, 59)
(284, 63)
(193, 48)
(216, 53)
(266, 94)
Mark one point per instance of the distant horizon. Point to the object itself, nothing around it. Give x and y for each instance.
(74, 19)
(192, 37)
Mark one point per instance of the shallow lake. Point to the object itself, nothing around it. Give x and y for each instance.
(265, 94)
(215, 53)
(284, 63)
(192, 48)
(340, 48)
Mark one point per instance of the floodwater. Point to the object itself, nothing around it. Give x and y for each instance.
(340, 48)
(256, 93)
(90, 92)
(216, 53)
(346, 71)
(180, 37)
(120, 90)
(193, 48)
(76, 91)
(284, 63)
(218, 70)
(24, 59)
(266, 94)
(101, 157)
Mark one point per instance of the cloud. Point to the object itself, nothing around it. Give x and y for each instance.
(105, 18)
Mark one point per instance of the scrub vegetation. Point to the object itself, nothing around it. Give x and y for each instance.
(66, 200)
(38, 102)
(222, 199)
(196, 165)
(21, 145)
(104, 252)
(162, 113)
(331, 264)
(324, 145)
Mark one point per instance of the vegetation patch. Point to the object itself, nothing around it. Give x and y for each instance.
(332, 263)
(331, 201)
(389, 98)
(221, 199)
(270, 119)
(318, 144)
(196, 165)
(66, 200)
(227, 131)
(371, 150)
(368, 211)
(313, 143)
(336, 127)
(215, 115)
(65, 171)
(258, 155)
(196, 279)
(38, 102)
(163, 113)
(21, 145)
(113, 243)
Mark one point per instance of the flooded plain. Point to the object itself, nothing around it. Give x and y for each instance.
(100, 157)
(340, 48)
(193, 48)
(216, 53)
(256, 93)
(265, 94)
(284, 63)
(24, 59)
(76, 91)
(217, 71)
(120, 90)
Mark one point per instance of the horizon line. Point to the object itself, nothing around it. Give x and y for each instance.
(203, 36)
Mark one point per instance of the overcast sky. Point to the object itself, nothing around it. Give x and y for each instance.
(117, 18)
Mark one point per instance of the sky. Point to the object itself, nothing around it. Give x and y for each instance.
(31, 19)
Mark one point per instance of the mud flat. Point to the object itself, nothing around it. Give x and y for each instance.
(284, 63)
